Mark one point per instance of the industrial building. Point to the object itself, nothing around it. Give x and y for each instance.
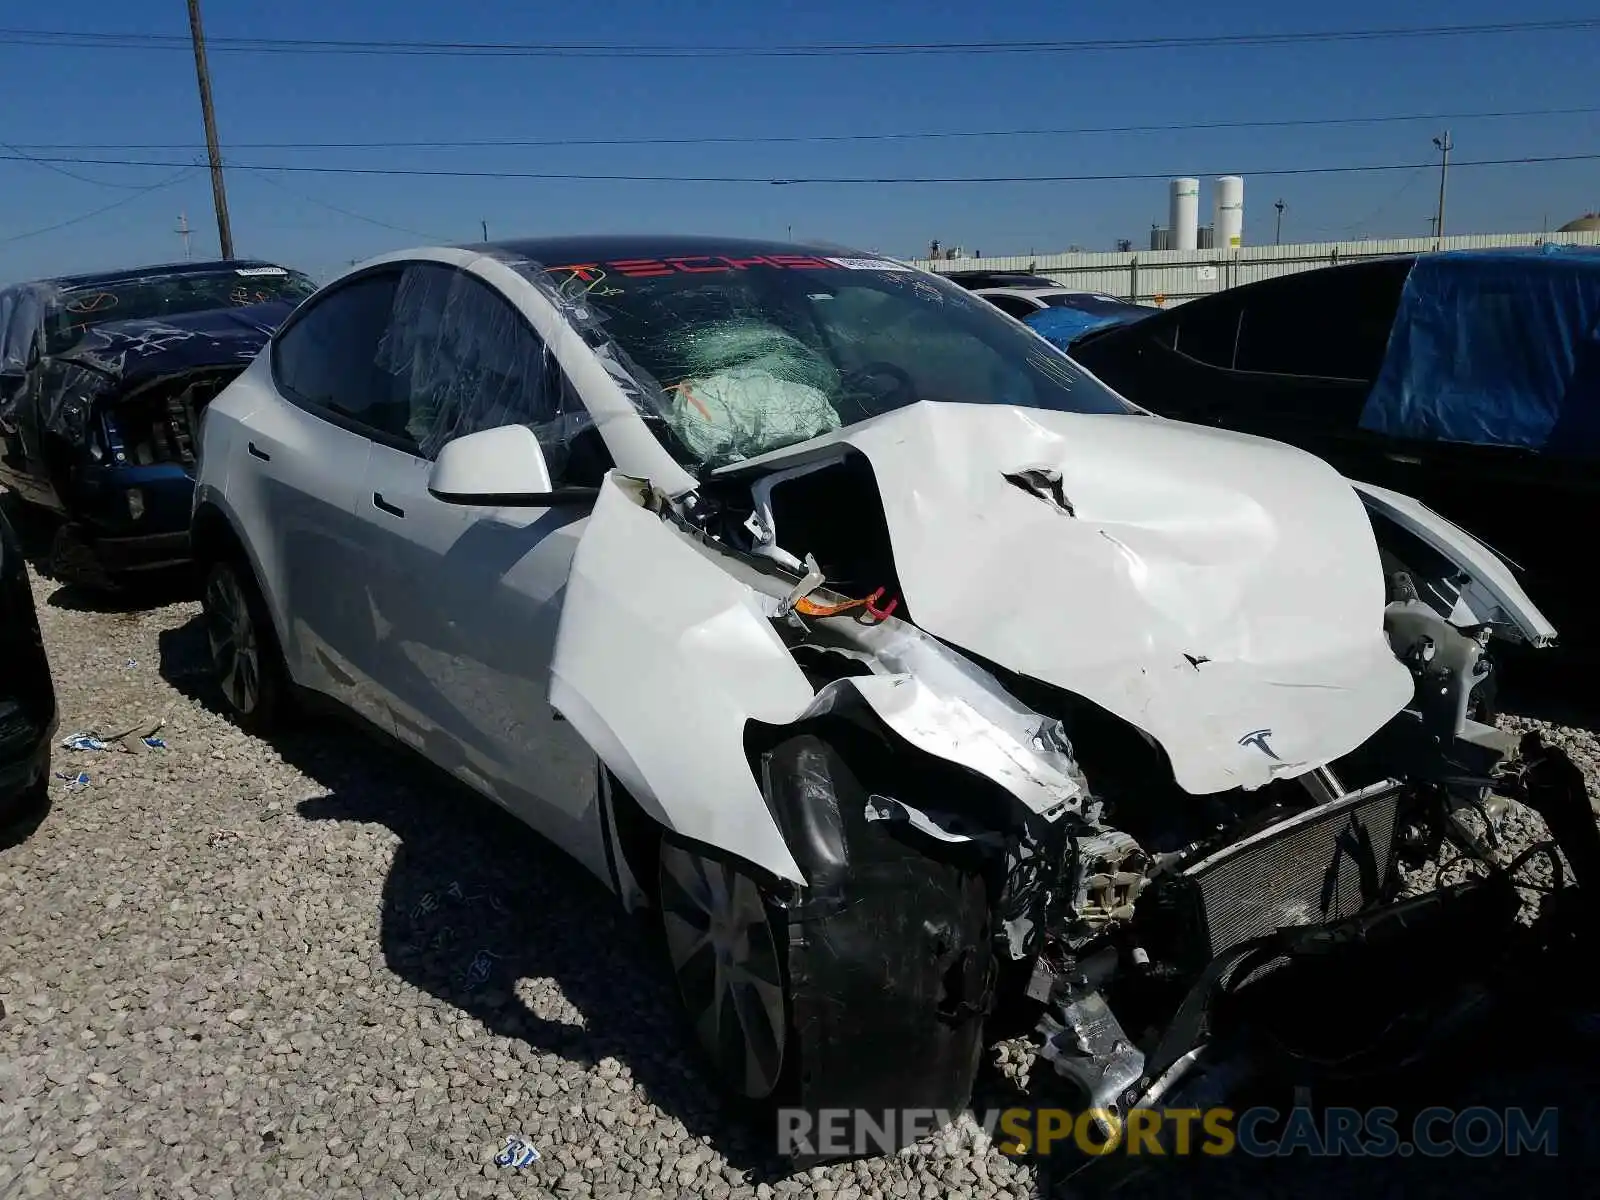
(1187, 260)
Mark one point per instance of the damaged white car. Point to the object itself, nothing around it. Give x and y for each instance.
(897, 663)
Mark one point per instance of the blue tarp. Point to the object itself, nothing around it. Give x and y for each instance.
(1497, 348)
(1060, 326)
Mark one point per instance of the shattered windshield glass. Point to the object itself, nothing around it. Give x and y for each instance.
(152, 297)
(740, 356)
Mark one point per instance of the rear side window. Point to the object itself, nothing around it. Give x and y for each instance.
(328, 356)
(1327, 324)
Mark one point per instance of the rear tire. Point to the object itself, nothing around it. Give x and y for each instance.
(72, 560)
(249, 665)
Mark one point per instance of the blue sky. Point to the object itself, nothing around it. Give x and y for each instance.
(65, 95)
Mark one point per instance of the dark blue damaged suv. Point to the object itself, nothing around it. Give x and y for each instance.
(102, 380)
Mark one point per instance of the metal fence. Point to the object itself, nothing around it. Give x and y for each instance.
(1173, 276)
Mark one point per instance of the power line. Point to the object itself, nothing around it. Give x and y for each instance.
(1357, 226)
(22, 154)
(265, 177)
(154, 187)
(749, 140)
(576, 176)
(148, 41)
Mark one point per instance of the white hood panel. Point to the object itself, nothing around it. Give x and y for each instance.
(1183, 542)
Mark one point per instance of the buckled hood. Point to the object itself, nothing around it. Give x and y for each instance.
(129, 351)
(1221, 592)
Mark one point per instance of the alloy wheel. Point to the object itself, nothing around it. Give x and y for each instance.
(235, 648)
(724, 953)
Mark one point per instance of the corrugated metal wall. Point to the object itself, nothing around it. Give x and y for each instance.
(1173, 276)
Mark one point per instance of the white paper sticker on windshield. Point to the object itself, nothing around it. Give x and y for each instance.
(868, 264)
(259, 271)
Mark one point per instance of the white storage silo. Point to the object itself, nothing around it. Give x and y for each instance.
(1185, 213)
(1228, 215)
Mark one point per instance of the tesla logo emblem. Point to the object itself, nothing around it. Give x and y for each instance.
(1258, 739)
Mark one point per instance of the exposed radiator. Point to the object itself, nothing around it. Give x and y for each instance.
(1321, 865)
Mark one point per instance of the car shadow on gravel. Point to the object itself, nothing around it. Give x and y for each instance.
(133, 592)
(485, 915)
(22, 818)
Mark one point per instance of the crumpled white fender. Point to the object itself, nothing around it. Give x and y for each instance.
(663, 656)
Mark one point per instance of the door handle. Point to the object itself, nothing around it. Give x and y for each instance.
(259, 453)
(393, 510)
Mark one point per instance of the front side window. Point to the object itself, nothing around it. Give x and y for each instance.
(1332, 323)
(460, 359)
(739, 356)
(1208, 331)
(327, 357)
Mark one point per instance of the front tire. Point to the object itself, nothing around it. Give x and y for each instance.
(244, 648)
(726, 950)
(881, 966)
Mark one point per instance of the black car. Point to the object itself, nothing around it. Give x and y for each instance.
(1469, 380)
(101, 379)
(973, 280)
(27, 696)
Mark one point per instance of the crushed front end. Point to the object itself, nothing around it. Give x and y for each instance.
(108, 434)
(1164, 937)
(124, 477)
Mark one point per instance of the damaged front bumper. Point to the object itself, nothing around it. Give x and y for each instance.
(130, 518)
(1303, 966)
(1366, 994)
(124, 478)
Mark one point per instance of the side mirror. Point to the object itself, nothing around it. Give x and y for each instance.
(499, 468)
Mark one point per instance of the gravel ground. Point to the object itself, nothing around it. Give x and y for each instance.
(234, 968)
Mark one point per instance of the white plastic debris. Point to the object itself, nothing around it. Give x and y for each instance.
(519, 1153)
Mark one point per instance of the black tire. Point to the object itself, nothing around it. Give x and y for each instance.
(884, 960)
(72, 560)
(245, 655)
(726, 944)
(25, 812)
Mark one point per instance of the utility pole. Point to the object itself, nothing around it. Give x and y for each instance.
(1277, 237)
(219, 194)
(183, 231)
(1445, 145)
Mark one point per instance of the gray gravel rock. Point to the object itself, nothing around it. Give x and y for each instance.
(307, 968)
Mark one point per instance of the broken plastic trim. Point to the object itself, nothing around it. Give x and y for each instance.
(1489, 590)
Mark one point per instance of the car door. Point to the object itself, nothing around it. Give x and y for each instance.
(300, 460)
(465, 599)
